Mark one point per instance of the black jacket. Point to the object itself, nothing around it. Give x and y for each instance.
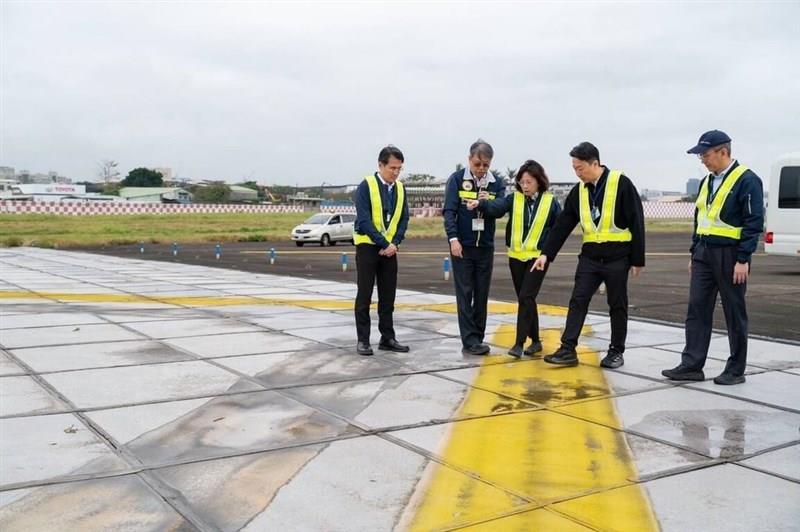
(458, 219)
(499, 207)
(744, 207)
(628, 214)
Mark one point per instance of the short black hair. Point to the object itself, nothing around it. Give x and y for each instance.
(586, 151)
(390, 151)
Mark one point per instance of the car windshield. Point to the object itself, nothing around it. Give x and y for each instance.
(317, 219)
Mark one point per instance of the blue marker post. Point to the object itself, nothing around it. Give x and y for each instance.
(272, 255)
(218, 251)
(174, 249)
(344, 262)
(447, 268)
(141, 247)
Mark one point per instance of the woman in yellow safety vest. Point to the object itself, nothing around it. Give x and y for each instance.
(533, 211)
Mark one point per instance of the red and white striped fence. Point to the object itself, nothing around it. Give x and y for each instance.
(125, 207)
(652, 209)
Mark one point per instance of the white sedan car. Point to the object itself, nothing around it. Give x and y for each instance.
(327, 229)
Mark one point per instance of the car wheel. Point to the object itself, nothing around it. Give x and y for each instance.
(325, 241)
(333, 242)
(299, 244)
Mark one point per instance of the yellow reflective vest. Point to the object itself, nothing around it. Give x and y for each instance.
(527, 248)
(708, 220)
(377, 211)
(606, 231)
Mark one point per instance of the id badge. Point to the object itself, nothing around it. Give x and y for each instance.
(388, 217)
(595, 213)
(477, 224)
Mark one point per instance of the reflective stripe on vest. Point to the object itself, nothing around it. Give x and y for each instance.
(377, 211)
(527, 249)
(607, 232)
(708, 220)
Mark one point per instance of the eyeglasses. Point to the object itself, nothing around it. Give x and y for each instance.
(705, 154)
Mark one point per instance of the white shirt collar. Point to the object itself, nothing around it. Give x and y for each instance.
(390, 185)
(725, 172)
(489, 175)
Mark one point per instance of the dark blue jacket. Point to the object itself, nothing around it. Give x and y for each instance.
(458, 219)
(499, 207)
(363, 224)
(744, 207)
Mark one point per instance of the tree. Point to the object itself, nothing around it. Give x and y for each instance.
(511, 173)
(419, 179)
(212, 194)
(107, 171)
(143, 177)
(459, 167)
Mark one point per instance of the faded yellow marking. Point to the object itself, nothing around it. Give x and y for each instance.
(221, 301)
(543, 456)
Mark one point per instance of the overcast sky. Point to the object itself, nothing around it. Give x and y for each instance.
(301, 93)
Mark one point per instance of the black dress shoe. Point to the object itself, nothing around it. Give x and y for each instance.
(364, 349)
(477, 349)
(393, 345)
(564, 356)
(726, 379)
(612, 360)
(516, 351)
(535, 347)
(682, 373)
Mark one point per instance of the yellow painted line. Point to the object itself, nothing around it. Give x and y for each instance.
(221, 301)
(542, 455)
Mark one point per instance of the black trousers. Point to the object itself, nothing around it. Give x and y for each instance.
(369, 267)
(712, 272)
(588, 276)
(526, 284)
(472, 276)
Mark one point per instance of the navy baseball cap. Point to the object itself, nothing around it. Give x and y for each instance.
(708, 140)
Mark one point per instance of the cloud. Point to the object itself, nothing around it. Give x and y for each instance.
(309, 92)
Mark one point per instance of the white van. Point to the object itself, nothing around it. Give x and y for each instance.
(782, 236)
(325, 228)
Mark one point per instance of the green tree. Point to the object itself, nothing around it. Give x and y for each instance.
(459, 167)
(419, 179)
(143, 177)
(112, 189)
(511, 173)
(212, 194)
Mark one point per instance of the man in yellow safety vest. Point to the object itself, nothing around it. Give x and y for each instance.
(380, 226)
(609, 210)
(728, 219)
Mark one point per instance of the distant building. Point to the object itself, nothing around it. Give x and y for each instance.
(663, 196)
(155, 194)
(7, 172)
(301, 198)
(243, 194)
(692, 187)
(49, 192)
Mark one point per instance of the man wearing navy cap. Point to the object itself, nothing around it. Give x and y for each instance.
(729, 216)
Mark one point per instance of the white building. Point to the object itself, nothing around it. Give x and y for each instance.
(59, 192)
(155, 194)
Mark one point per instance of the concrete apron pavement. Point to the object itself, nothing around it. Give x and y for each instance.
(148, 396)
